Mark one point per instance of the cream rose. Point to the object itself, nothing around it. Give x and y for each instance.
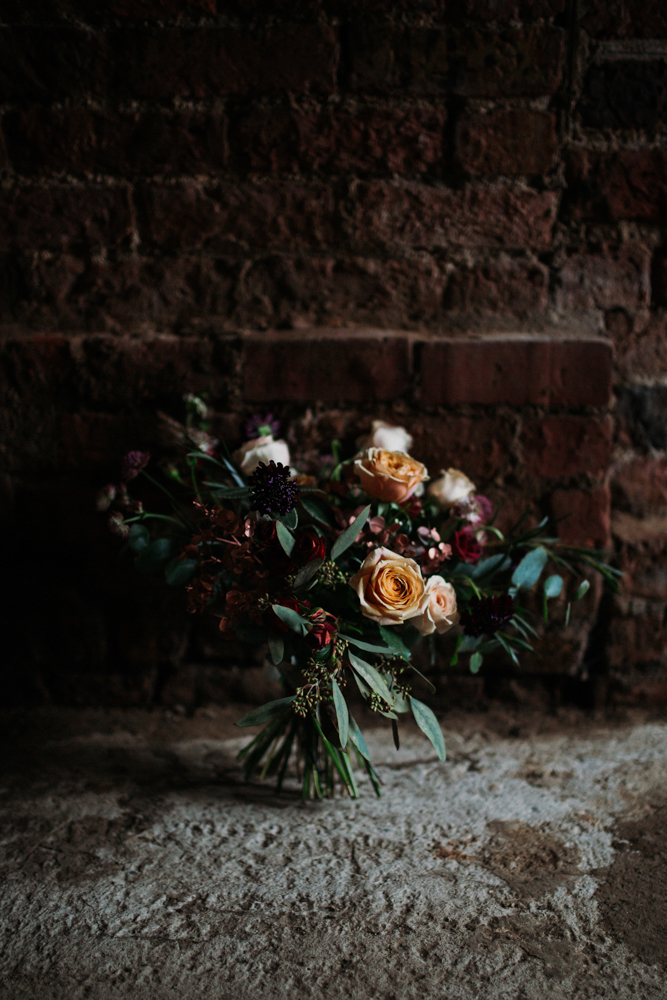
(451, 487)
(386, 436)
(390, 587)
(262, 449)
(439, 612)
(389, 475)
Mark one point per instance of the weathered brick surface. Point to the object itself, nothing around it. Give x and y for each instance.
(200, 63)
(628, 184)
(527, 10)
(79, 140)
(616, 277)
(639, 486)
(327, 367)
(586, 516)
(510, 286)
(642, 414)
(53, 63)
(367, 139)
(567, 446)
(508, 141)
(624, 18)
(63, 216)
(517, 371)
(625, 93)
(479, 445)
(472, 63)
(36, 369)
(414, 215)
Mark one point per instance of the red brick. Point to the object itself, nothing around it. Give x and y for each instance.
(208, 62)
(327, 365)
(615, 277)
(52, 63)
(624, 18)
(276, 214)
(503, 286)
(639, 486)
(659, 279)
(36, 369)
(360, 139)
(125, 369)
(74, 140)
(478, 446)
(645, 355)
(518, 371)
(507, 141)
(567, 446)
(470, 62)
(638, 640)
(628, 184)
(527, 10)
(586, 516)
(416, 215)
(92, 440)
(60, 216)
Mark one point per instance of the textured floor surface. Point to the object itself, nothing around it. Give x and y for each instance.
(135, 865)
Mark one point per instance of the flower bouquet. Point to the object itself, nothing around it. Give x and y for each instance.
(339, 574)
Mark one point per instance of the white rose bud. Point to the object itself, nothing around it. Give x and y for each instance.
(452, 487)
(262, 449)
(387, 437)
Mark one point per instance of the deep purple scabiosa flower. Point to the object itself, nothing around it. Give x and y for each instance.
(133, 463)
(488, 614)
(273, 489)
(262, 425)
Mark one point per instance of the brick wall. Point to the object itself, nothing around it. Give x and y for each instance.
(458, 210)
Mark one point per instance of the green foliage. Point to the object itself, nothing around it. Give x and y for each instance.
(179, 572)
(527, 573)
(154, 556)
(350, 534)
(292, 619)
(285, 537)
(429, 726)
(139, 537)
(342, 715)
(267, 713)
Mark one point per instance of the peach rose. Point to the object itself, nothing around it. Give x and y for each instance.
(439, 612)
(389, 475)
(452, 487)
(390, 587)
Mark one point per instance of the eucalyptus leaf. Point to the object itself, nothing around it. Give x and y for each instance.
(469, 642)
(426, 681)
(179, 572)
(394, 641)
(582, 589)
(369, 647)
(527, 573)
(429, 726)
(394, 733)
(290, 520)
(291, 618)
(266, 713)
(342, 714)
(276, 647)
(553, 586)
(350, 534)
(154, 556)
(307, 572)
(494, 564)
(371, 676)
(285, 537)
(318, 509)
(229, 492)
(476, 661)
(139, 537)
(364, 689)
(357, 738)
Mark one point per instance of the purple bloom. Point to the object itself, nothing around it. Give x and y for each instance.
(133, 463)
(261, 425)
(486, 615)
(273, 489)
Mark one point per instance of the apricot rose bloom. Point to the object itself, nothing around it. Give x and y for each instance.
(389, 475)
(390, 587)
(439, 612)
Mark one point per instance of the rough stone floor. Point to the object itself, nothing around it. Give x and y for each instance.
(135, 864)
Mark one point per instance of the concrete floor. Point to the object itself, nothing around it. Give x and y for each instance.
(136, 865)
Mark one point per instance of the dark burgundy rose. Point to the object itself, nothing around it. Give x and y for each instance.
(287, 602)
(465, 547)
(324, 630)
(133, 463)
(273, 555)
(487, 615)
(309, 546)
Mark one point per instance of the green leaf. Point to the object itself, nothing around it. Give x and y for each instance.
(368, 646)
(291, 618)
(394, 641)
(229, 492)
(528, 571)
(154, 556)
(290, 520)
(553, 586)
(582, 589)
(494, 564)
(394, 733)
(426, 681)
(276, 647)
(364, 689)
(469, 642)
(179, 572)
(371, 676)
(357, 738)
(307, 572)
(342, 714)
(350, 534)
(285, 538)
(318, 509)
(429, 726)
(266, 713)
(138, 538)
(476, 661)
